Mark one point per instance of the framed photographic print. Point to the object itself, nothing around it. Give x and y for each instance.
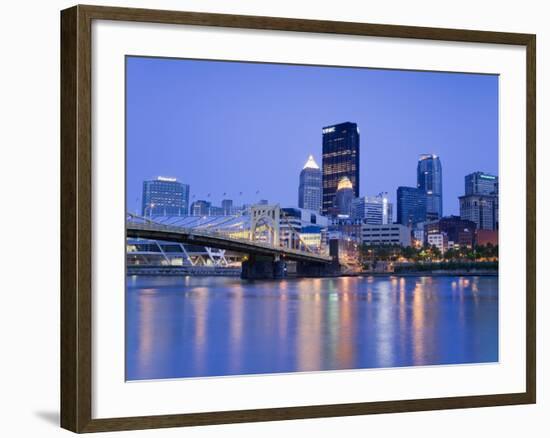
(270, 218)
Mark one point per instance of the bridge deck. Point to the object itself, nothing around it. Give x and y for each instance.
(218, 240)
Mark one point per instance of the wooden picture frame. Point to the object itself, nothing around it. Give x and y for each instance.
(76, 217)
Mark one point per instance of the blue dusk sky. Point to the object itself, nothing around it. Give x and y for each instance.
(231, 127)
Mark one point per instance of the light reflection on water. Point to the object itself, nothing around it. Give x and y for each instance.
(214, 326)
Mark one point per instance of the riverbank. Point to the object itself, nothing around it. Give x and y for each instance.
(236, 272)
(439, 273)
(196, 271)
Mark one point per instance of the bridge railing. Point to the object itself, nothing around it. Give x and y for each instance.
(149, 225)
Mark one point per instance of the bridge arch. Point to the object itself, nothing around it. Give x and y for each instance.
(264, 224)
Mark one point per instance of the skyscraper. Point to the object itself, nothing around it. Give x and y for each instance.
(344, 197)
(480, 202)
(164, 196)
(480, 209)
(429, 180)
(375, 210)
(340, 159)
(310, 190)
(480, 183)
(411, 205)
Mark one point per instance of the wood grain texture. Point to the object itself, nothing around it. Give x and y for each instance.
(76, 222)
(69, 329)
(531, 217)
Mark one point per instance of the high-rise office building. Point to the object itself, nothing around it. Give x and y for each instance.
(164, 196)
(480, 183)
(411, 205)
(429, 180)
(344, 198)
(480, 209)
(310, 190)
(480, 202)
(340, 159)
(375, 210)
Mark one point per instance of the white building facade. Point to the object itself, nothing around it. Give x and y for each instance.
(439, 240)
(375, 210)
(389, 234)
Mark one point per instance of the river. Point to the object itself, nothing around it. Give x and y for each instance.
(216, 326)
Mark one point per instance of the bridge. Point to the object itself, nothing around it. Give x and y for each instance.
(265, 259)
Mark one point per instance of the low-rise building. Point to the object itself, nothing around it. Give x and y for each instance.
(439, 240)
(460, 231)
(394, 234)
(312, 237)
(200, 208)
(484, 237)
(292, 222)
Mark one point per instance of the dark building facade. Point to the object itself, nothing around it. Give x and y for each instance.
(200, 208)
(459, 231)
(429, 180)
(340, 159)
(310, 190)
(164, 196)
(227, 207)
(411, 205)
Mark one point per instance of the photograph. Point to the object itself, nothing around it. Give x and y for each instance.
(285, 218)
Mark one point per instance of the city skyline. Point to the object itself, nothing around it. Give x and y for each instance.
(202, 166)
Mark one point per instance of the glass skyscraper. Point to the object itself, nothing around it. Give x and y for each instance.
(411, 205)
(340, 159)
(310, 191)
(429, 180)
(165, 197)
(480, 183)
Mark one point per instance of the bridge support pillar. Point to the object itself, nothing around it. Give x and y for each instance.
(262, 268)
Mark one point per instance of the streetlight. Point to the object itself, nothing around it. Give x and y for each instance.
(150, 207)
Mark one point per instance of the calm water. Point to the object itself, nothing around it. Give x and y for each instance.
(213, 326)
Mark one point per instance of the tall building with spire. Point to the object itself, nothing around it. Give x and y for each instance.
(429, 180)
(340, 159)
(310, 190)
